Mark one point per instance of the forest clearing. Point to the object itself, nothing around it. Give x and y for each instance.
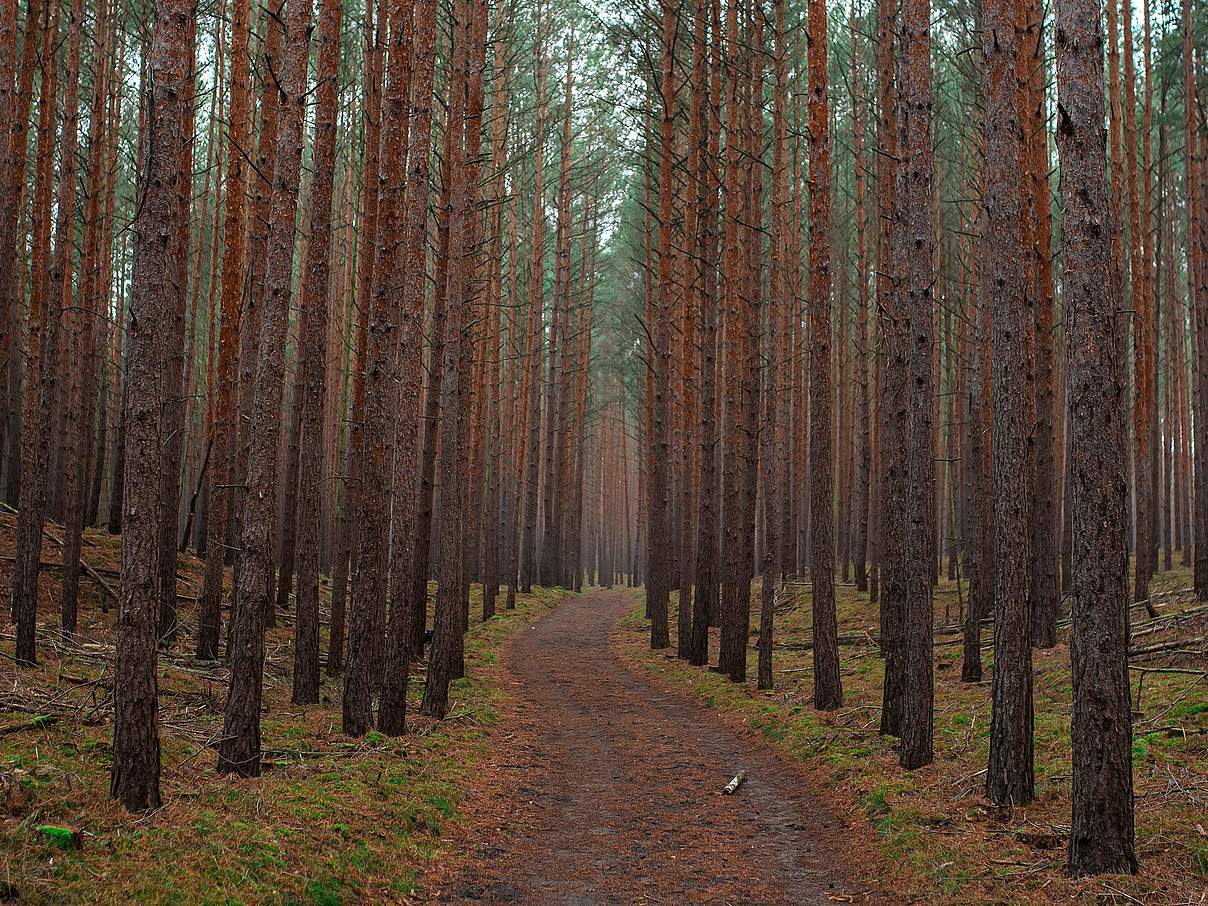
(604, 452)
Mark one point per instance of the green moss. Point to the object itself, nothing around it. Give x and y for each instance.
(338, 821)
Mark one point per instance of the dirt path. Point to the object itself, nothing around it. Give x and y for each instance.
(614, 791)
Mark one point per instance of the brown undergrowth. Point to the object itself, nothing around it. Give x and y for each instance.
(333, 819)
(939, 836)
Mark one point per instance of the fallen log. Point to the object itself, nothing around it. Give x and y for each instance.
(1161, 647)
(732, 787)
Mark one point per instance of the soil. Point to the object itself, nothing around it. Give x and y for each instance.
(604, 789)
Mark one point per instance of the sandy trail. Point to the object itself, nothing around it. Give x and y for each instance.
(613, 791)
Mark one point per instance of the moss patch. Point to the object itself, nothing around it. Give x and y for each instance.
(939, 837)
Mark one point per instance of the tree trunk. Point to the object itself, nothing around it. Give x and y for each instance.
(1009, 779)
(828, 687)
(41, 372)
(367, 222)
(1102, 833)
(312, 477)
(224, 432)
(135, 773)
(1046, 586)
(239, 752)
(80, 322)
(915, 200)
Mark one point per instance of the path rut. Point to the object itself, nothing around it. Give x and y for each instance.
(615, 798)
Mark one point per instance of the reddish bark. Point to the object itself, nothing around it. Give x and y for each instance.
(828, 687)
(16, 98)
(223, 432)
(1046, 588)
(80, 322)
(915, 209)
(315, 268)
(444, 661)
(1102, 833)
(408, 616)
(239, 752)
(863, 351)
(528, 523)
(1009, 779)
(705, 603)
(135, 772)
(41, 374)
(658, 538)
(366, 243)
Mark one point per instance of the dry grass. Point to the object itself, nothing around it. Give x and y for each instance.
(332, 820)
(939, 836)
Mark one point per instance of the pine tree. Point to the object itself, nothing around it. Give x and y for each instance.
(315, 269)
(135, 771)
(1009, 779)
(240, 749)
(1102, 833)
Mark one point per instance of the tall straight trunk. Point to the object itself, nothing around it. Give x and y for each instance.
(659, 552)
(204, 421)
(780, 300)
(408, 563)
(447, 630)
(134, 778)
(528, 524)
(262, 177)
(285, 543)
(693, 286)
(841, 436)
(587, 287)
(16, 98)
(437, 333)
(1009, 778)
(223, 432)
(239, 752)
(367, 225)
(1102, 832)
(894, 399)
(1150, 281)
(558, 355)
(370, 565)
(81, 322)
(828, 686)
(315, 268)
(1046, 586)
(980, 483)
(705, 602)
(517, 409)
(469, 488)
(495, 542)
(1197, 302)
(862, 351)
(1143, 412)
(10, 312)
(97, 257)
(41, 371)
(914, 212)
(173, 376)
(407, 617)
(735, 615)
(749, 372)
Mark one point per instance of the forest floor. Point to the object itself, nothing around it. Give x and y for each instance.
(608, 790)
(332, 820)
(940, 840)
